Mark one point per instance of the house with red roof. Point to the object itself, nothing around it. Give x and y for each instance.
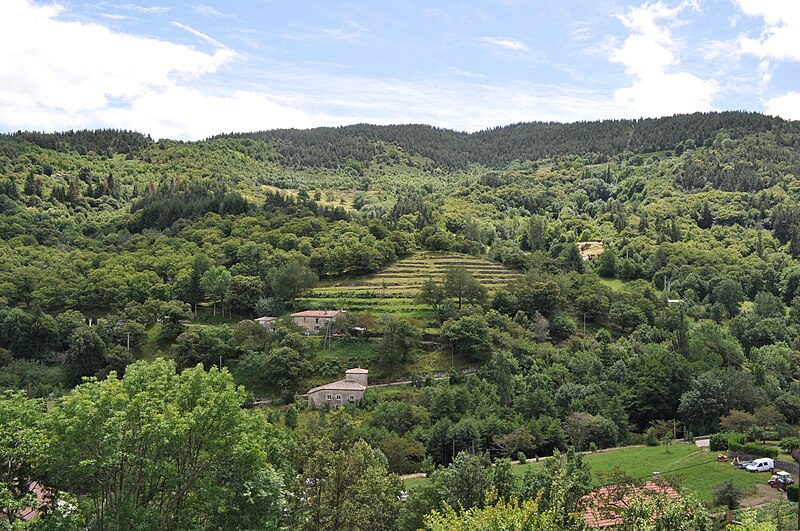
(604, 507)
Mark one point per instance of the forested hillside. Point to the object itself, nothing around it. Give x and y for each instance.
(117, 251)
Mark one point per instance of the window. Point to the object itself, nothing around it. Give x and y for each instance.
(352, 398)
(316, 320)
(327, 397)
(338, 397)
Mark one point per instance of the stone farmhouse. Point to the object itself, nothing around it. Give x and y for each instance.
(350, 390)
(315, 321)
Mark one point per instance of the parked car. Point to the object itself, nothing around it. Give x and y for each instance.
(780, 480)
(765, 464)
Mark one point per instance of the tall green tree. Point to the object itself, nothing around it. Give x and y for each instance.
(470, 335)
(215, 282)
(460, 284)
(290, 280)
(24, 443)
(400, 339)
(162, 450)
(86, 355)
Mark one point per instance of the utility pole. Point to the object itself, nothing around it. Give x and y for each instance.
(584, 325)
(129, 341)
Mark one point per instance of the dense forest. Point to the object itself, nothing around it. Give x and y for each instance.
(131, 271)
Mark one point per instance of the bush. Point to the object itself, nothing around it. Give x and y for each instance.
(521, 457)
(718, 442)
(790, 444)
(735, 439)
(793, 493)
(650, 437)
(727, 494)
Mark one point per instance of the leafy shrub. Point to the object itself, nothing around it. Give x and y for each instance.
(793, 493)
(790, 444)
(650, 437)
(727, 494)
(735, 439)
(718, 442)
(521, 457)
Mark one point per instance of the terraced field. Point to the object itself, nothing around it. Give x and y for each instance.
(392, 291)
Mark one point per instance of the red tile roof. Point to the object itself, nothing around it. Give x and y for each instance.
(317, 313)
(602, 507)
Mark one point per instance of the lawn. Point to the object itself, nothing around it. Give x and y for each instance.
(615, 284)
(697, 468)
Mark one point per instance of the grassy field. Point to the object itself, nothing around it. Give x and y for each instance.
(698, 469)
(615, 284)
(392, 291)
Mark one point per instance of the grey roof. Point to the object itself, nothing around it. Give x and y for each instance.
(341, 385)
(357, 370)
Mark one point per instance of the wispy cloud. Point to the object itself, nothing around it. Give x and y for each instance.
(112, 16)
(352, 32)
(208, 11)
(145, 10)
(506, 43)
(584, 33)
(200, 34)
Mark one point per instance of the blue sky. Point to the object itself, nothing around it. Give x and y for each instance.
(192, 69)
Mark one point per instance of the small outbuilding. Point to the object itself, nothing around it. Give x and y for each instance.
(267, 322)
(350, 390)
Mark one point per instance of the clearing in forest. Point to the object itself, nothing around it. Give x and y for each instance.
(392, 290)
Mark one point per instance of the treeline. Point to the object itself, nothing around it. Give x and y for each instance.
(331, 147)
(100, 141)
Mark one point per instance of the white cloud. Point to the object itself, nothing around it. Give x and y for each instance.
(208, 11)
(779, 41)
(582, 33)
(507, 43)
(182, 112)
(780, 38)
(786, 106)
(648, 55)
(145, 10)
(76, 66)
(201, 35)
(57, 74)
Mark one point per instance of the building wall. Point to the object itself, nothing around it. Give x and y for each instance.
(320, 398)
(355, 377)
(314, 325)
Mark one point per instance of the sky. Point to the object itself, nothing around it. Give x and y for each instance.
(189, 70)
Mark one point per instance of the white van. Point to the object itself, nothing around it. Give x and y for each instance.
(765, 464)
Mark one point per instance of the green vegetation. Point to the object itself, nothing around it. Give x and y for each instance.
(449, 251)
(696, 471)
(394, 289)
